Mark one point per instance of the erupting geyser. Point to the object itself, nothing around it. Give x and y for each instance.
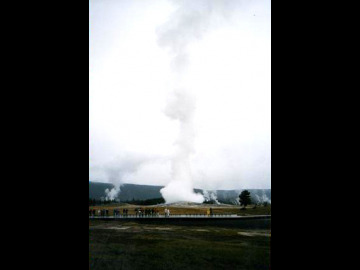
(185, 25)
(181, 108)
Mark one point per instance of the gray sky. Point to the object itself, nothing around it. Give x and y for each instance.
(137, 59)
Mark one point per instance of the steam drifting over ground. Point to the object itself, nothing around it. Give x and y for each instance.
(115, 171)
(210, 196)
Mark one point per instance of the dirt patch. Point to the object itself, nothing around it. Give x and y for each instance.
(118, 228)
(163, 229)
(105, 227)
(252, 234)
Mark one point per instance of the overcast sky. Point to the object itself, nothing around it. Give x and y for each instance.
(132, 77)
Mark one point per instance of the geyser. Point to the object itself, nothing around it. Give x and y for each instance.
(185, 25)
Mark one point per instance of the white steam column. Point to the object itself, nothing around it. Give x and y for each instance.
(186, 24)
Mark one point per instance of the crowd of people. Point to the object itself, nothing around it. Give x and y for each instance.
(99, 212)
(117, 212)
(139, 212)
(148, 212)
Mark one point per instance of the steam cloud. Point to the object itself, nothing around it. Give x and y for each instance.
(120, 167)
(262, 198)
(113, 193)
(210, 196)
(188, 23)
(182, 107)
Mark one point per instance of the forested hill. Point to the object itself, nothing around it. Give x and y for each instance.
(131, 192)
(128, 191)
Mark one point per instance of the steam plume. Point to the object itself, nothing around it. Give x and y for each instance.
(122, 166)
(262, 198)
(186, 24)
(210, 196)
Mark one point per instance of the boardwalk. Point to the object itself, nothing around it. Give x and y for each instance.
(132, 217)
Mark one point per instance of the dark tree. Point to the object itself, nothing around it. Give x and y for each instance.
(245, 198)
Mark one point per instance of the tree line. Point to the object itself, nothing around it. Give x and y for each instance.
(94, 202)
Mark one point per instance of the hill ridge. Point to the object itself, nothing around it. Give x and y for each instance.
(145, 192)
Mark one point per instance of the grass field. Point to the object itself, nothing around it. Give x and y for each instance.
(192, 210)
(131, 246)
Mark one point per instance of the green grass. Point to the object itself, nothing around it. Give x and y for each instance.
(176, 247)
